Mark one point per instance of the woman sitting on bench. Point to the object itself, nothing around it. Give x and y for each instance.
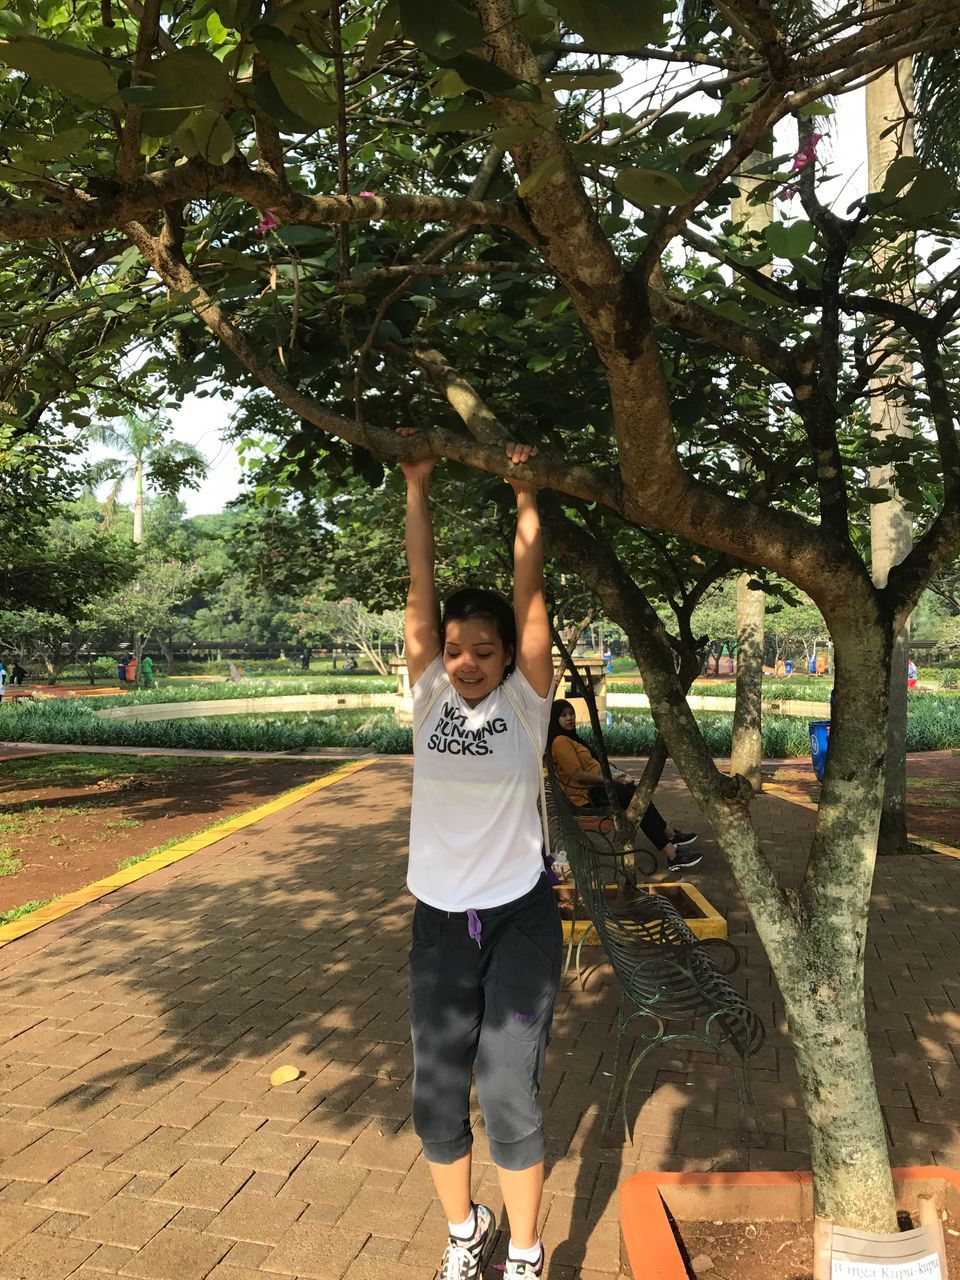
(580, 778)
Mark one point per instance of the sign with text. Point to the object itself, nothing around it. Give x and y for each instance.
(925, 1268)
(845, 1254)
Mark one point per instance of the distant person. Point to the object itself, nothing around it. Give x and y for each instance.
(581, 780)
(913, 676)
(17, 674)
(3, 680)
(146, 670)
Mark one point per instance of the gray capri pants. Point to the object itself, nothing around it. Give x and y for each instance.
(491, 1006)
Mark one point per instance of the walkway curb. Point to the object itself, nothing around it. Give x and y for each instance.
(183, 849)
(784, 793)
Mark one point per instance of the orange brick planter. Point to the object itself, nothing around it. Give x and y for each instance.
(650, 1248)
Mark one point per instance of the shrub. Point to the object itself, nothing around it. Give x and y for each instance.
(227, 690)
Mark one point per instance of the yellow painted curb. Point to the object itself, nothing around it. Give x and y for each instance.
(183, 849)
(946, 849)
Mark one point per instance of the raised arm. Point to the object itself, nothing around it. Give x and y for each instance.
(534, 644)
(422, 622)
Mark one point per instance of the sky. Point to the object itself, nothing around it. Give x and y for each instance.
(201, 422)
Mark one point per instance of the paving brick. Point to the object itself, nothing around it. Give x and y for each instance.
(324, 1181)
(17, 1221)
(202, 1186)
(114, 1136)
(81, 1189)
(257, 1218)
(222, 1129)
(107, 1259)
(176, 1255)
(61, 1224)
(315, 1252)
(161, 1152)
(43, 1257)
(271, 1152)
(15, 1135)
(126, 1221)
(43, 1159)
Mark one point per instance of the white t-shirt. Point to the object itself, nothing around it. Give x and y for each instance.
(475, 833)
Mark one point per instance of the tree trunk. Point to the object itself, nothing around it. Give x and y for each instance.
(823, 995)
(889, 107)
(747, 750)
(138, 504)
(166, 648)
(814, 936)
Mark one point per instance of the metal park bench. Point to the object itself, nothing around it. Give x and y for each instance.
(667, 977)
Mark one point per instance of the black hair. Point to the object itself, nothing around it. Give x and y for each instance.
(556, 730)
(489, 606)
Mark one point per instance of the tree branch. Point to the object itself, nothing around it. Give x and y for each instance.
(86, 215)
(477, 416)
(129, 159)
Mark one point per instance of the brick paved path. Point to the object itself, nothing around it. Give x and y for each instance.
(139, 1135)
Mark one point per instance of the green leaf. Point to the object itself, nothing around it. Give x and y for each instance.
(192, 78)
(876, 496)
(791, 241)
(651, 187)
(441, 29)
(819, 109)
(281, 51)
(319, 111)
(585, 80)
(510, 136)
(899, 173)
(382, 32)
(540, 176)
(299, 13)
(611, 26)
(268, 99)
(59, 147)
(449, 84)
(932, 192)
(465, 120)
(206, 134)
(62, 67)
(489, 78)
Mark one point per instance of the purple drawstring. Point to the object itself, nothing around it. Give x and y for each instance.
(474, 926)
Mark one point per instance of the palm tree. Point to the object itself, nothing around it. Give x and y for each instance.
(141, 453)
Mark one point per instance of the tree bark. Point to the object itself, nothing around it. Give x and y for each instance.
(889, 108)
(138, 504)
(815, 937)
(747, 750)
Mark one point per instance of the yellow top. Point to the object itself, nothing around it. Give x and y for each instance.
(568, 757)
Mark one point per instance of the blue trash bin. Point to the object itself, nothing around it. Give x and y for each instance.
(819, 742)
(788, 668)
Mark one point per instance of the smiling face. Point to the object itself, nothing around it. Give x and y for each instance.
(567, 720)
(474, 657)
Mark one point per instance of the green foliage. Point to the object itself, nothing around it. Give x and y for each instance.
(25, 909)
(73, 722)
(227, 691)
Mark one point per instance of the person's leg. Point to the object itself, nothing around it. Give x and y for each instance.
(522, 1193)
(520, 989)
(452, 1184)
(445, 1011)
(654, 827)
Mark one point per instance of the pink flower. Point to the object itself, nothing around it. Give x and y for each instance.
(268, 223)
(806, 153)
(372, 195)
